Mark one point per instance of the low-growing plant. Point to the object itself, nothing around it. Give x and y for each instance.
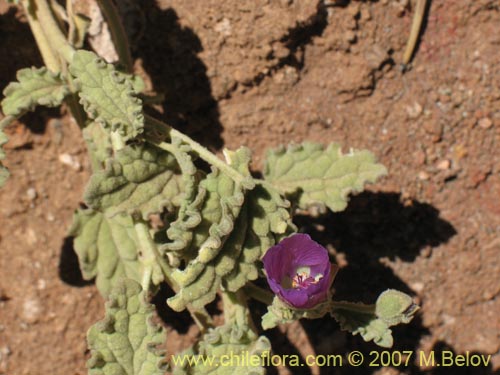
(221, 229)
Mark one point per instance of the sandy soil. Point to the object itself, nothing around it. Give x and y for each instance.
(267, 72)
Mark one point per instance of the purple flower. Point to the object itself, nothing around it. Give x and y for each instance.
(299, 271)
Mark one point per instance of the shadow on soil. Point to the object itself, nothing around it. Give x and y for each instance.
(169, 54)
(69, 268)
(374, 226)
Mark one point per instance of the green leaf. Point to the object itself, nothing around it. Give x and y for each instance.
(231, 341)
(209, 223)
(4, 173)
(372, 322)
(98, 144)
(281, 313)
(107, 95)
(180, 231)
(139, 178)
(265, 219)
(107, 249)
(126, 341)
(395, 307)
(320, 176)
(33, 87)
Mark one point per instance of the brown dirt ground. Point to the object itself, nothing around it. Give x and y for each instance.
(266, 72)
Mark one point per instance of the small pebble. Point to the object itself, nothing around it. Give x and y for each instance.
(32, 310)
(417, 286)
(31, 193)
(70, 161)
(422, 175)
(41, 284)
(31, 237)
(485, 123)
(414, 110)
(443, 165)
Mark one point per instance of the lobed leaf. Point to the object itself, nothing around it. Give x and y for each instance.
(180, 231)
(373, 322)
(139, 178)
(265, 219)
(321, 176)
(126, 341)
(281, 313)
(99, 145)
(33, 87)
(107, 95)
(107, 249)
(231, 341)
(214, 210)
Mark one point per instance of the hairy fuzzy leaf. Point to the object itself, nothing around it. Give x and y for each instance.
(321, 176)
(219, 201)
(264, 221)
(126, 341)
(108, 95)
(107, 249)
(33, 87)
(230, 341)
(4, 173)
(180, 231)
(281, 313)
(372, 322)
(140, 178)
(98, 144)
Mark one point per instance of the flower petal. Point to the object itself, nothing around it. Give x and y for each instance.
(288, 257)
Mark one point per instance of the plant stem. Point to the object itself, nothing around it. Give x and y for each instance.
(50, 58)
(353, 306)
(236, 309)
(51, 30)
(259, 294)
(118, 34)
(76, 110)
(202, 152)
(416, 27)
(147, 251)
(151, 257)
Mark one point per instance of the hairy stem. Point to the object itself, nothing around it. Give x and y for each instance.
(118, 34)
(353, 306)
(236, 309)
(148, 253)
(150, 257)
(202, 152)
(49, 57)
(259, 294)
(51, 30)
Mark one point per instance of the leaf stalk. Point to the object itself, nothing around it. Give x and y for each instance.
(202, 152)
(150, 257)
